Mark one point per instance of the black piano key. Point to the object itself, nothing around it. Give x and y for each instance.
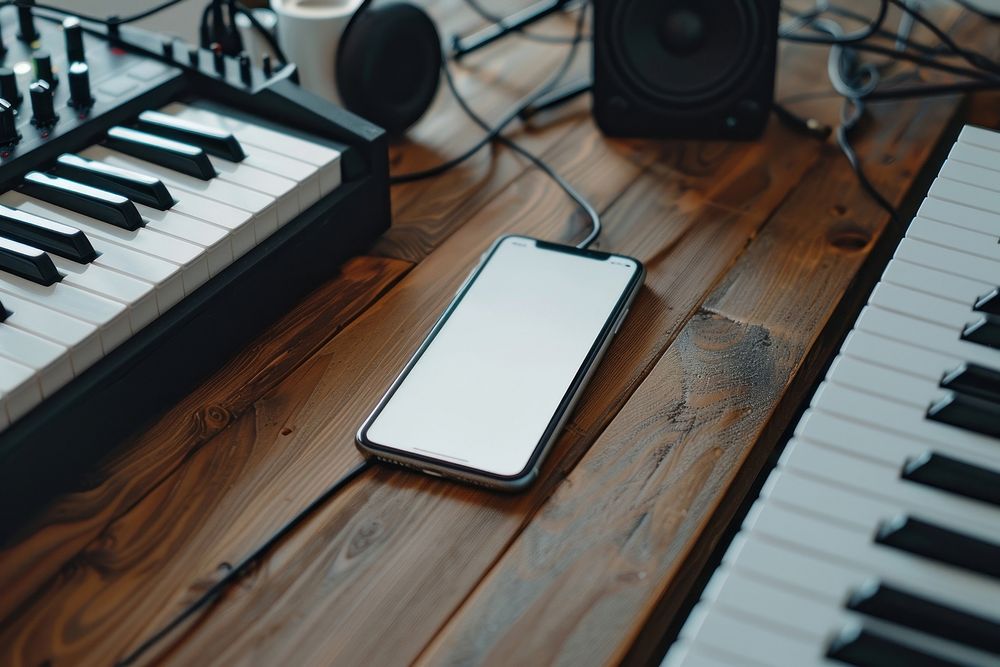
(185, 158)
(967, 412)
(989, 303)
(4, 313)
(940, 544)
(102, 205)
(864, 648)
(958, 477)
(137, 187)
(213, 140)
(54, 237)
(880, 600)
(985, 331)
(27, 262)
(974, 380)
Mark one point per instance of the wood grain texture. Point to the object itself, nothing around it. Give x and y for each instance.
(750, 247)
(624, 537)
(287, 448)
(436, 539)
(48, 547)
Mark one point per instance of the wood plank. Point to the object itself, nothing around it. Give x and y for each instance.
(412, 548)
(139, 465)
(617, 547)
(241, 486)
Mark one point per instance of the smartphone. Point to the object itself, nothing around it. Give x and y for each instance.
(484, 397)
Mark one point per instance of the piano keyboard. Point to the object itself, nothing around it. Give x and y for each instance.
(95, 248)
(160, 206)
(876, 540)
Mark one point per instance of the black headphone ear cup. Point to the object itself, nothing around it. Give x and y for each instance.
(389, 65)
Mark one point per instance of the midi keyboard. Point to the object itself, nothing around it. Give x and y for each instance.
(160, 205)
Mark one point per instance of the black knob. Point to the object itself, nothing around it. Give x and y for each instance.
(8, 127)
(8, 86)
(74, 40)
(41, 104)
(43, 68)
(26, 21)
(79, 85)
(246, 75)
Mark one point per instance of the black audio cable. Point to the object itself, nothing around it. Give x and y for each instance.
(495, 133)
(489, 16)
(571, 192)
(507, 119)
(859, 82)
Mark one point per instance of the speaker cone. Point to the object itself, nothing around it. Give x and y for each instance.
(684, 52)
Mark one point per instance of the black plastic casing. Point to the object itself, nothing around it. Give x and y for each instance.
(54, 448)
(737, 109)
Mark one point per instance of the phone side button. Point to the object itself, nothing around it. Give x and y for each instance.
(621, 320)
(432, 473)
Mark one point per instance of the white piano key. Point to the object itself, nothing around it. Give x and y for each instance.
(111, 316)
(305, 175)
(831, 577)
(214, 241)
(138, 295)
(956, 238)
(746, 643)
(882, 445)
(972, 154)
(282, 189)
(945, 312)
(892, 416)
(936, 283)
(684, 654)
(189, 257)
(19, 389)
(924, 334)
(49, 360)
(963, 193)
(977, 136)
(948, 260)
(81, 338)
(859, 492)
(326, 159)
(762, 602)
(131, 253)
(971, 174)
(826, 541)
(898, 355)
(237, 222)
(955, 214)
(885, 382)
(262, 206)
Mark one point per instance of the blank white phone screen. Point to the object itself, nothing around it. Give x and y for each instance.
(486, 388)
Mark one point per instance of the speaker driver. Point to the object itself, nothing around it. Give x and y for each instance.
(684, 52)
(684, 68)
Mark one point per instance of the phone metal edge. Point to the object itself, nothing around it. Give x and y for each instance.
(436, 468)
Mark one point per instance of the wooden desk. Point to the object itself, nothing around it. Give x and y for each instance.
(759, 254)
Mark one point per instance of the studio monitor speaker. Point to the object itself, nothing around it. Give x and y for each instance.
(684, 68)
